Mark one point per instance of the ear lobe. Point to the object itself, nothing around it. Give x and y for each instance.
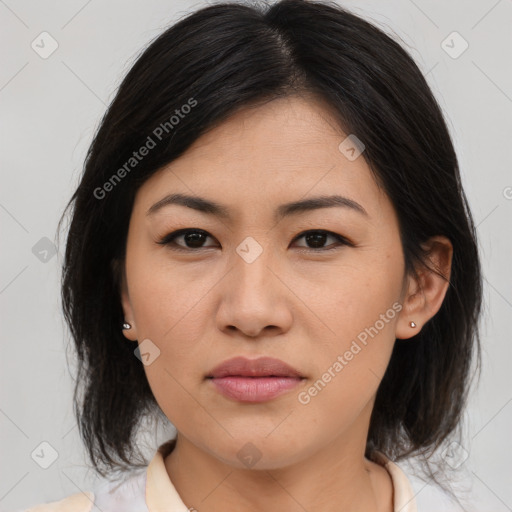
(119, 273)
(425, 294)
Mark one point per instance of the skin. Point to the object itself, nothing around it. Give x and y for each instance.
(207, 305)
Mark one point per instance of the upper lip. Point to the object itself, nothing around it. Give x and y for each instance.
(261, 367)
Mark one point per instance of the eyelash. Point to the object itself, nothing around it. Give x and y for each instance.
(168, 240)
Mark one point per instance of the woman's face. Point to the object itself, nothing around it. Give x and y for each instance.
(254, 284)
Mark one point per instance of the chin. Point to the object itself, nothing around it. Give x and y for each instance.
(258, 452)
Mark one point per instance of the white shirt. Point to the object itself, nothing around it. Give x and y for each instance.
(151, 490)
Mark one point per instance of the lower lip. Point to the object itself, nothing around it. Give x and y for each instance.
(254, 389)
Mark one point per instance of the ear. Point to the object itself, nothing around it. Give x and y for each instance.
(118, 267)
(425, 294)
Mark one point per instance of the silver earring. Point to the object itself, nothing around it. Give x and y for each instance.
(126, 326)
(412, 324)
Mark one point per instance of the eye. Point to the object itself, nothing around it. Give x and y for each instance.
(318, 237)
(194, 239)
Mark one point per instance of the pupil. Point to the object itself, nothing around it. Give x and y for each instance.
(318, 239)
(194, 238)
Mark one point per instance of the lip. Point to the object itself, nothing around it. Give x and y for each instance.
(254, 380)
(261, 367)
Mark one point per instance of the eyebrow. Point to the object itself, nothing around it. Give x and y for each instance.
(285, 210)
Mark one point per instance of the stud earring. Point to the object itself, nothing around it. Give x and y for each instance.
(126, 326)
(412, 324)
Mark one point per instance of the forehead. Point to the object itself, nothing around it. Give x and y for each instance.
(289, 129)
(281, 151)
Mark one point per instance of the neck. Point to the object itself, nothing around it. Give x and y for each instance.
(338, 477)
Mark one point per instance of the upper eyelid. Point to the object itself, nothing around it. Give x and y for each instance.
(170, 237)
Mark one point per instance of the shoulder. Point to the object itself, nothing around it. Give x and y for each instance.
(79, 502)
(124, 495)
(403, 493)
(414, 493)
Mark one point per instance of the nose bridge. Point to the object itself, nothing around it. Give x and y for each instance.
(252, 261)
(251, 300)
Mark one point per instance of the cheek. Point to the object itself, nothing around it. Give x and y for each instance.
(170, 310)
(169, 380)
(353, 300)
(347, 374)
(169, 302)
(350, 370)
(176, 328)
(354, 341)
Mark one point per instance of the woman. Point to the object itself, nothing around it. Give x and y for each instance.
(271, 248)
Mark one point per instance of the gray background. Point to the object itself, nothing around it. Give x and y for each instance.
(49, 111)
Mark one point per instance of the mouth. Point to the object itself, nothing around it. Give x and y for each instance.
(254, 389)
(257, 380)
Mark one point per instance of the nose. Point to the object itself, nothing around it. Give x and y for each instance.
(254, 300)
